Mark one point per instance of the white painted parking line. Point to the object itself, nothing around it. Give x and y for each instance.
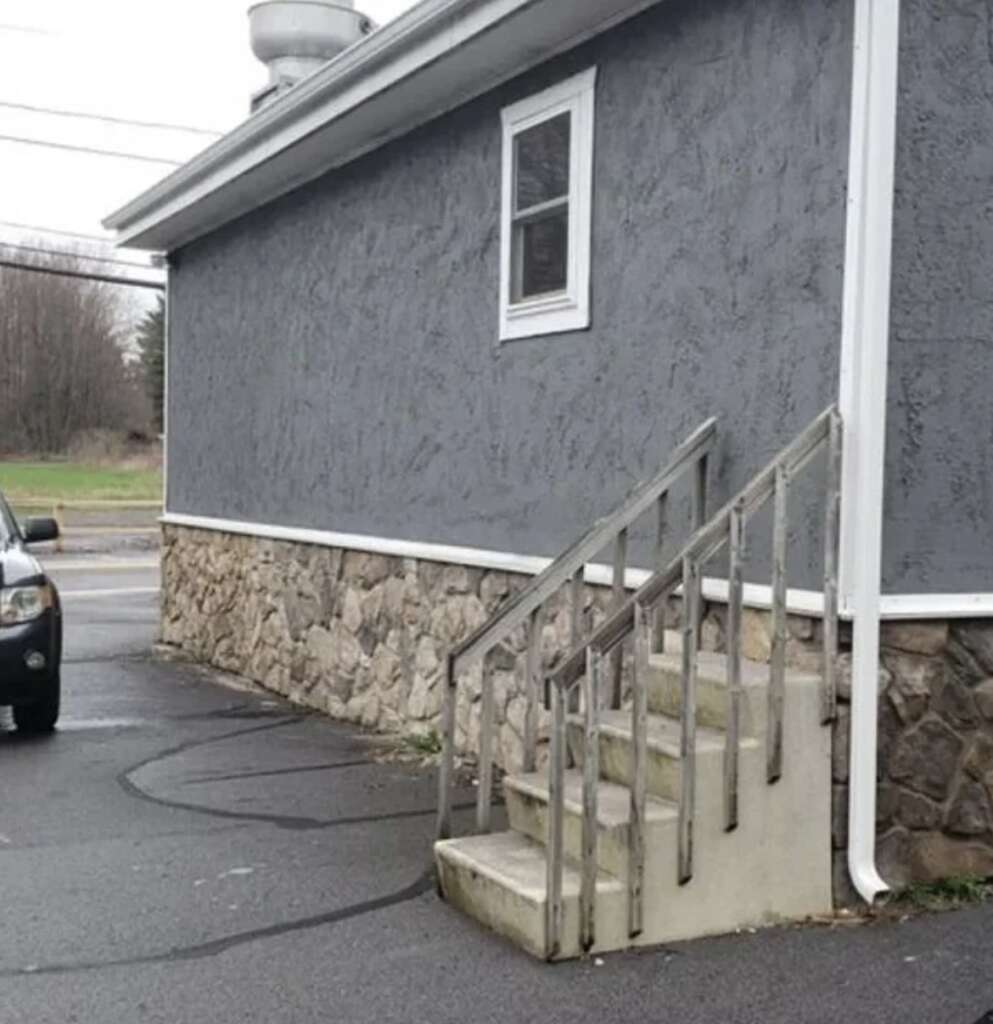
(54, 566)
(117, 592)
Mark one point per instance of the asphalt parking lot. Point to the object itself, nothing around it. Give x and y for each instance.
(185, 851)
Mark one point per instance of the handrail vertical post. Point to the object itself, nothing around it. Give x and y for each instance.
(592, 683)
(832, 531)
(687, 738)
(576, 607)
(617, 599)
(554, 839)
(777, 661)
(484, 798)
(576, 624)
(736, 542)
(639, 742)
(661, 532)
(699, 519)
(532, 684)
(447, 767)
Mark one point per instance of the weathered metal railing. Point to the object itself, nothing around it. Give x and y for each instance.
(526, 608)
(634, 616)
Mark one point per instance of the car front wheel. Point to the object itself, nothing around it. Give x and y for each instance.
(41, 715)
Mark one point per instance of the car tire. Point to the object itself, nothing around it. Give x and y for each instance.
(41, 715)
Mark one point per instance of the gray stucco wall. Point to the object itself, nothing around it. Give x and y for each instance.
(333, 356)
(939, 480)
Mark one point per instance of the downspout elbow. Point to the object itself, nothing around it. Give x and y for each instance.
(862, 776)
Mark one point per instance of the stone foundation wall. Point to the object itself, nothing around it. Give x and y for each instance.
(935, 751)
(363, 638)
(359, 636)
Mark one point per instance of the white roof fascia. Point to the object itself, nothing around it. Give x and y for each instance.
(431, 59)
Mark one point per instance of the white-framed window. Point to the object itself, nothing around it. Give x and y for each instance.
(546, 215)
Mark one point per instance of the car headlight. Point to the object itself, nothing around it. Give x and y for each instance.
(22, 604)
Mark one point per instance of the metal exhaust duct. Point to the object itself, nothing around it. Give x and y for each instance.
(295, 37)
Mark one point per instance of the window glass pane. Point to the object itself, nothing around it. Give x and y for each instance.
(541, 250)
(542, 162)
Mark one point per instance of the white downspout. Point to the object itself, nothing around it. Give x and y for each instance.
(862, 397)
(166, 321)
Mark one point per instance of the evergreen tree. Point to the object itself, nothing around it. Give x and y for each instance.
(151, 345)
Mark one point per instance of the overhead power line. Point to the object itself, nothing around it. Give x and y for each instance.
(75, 255)
(30, 30)
(110, 119)
(106, 239)
(119, 154)
(132, 282)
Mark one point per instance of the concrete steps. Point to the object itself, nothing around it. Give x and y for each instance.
(775, 866)
(527, 810)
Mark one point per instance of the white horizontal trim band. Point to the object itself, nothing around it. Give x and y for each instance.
(936, 606)
(476, 557)
(798, 602)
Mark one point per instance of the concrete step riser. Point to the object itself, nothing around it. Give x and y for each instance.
(528, 814)
(663, 771)
(665, 697)
(498, 907)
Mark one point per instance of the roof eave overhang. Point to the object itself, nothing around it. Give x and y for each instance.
(435, 57)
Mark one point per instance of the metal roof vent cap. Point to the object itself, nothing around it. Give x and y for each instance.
(295, 37)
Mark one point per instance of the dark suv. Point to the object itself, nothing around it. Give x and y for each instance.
(30, 626)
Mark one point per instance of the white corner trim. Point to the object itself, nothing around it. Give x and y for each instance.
(570, 310)
(862, 397)
(165, 388)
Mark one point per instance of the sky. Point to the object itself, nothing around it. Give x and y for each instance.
(183, 62)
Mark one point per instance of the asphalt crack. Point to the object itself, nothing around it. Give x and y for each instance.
(302, 770)
(298, 823)
(213, 947)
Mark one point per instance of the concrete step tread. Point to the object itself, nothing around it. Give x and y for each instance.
(713, 668)
(613, 799)
(514, 861)
(663, 732)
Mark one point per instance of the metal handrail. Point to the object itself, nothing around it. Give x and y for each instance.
(526, 607)
(515, 611)
(634, 617)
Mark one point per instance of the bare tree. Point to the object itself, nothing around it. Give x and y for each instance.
(62, 368)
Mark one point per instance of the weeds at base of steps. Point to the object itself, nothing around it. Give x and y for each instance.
(947, 894)
(915, 900)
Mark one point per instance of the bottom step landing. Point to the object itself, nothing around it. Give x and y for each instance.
(500, 880)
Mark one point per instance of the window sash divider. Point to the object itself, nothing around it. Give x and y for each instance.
(540, 209)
